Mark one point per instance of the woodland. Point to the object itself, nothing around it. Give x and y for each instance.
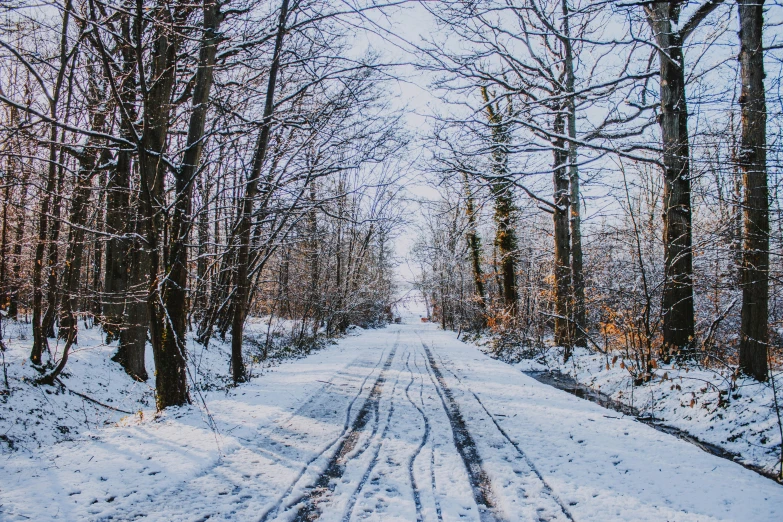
(591, 175)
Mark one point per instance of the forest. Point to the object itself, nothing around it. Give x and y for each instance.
(198, 193)
(171, 168)
(659, 141)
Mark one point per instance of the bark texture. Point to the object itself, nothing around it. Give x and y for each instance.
(753, 163)
(562, 265)
(118, 204)
(170, 371)
(677, 305)
(474, 248)
(175, 285)
(577, 273)
(503, 196)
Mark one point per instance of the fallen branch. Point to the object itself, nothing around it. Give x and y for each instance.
(90, 399)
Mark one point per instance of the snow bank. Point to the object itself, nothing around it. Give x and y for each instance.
(702, 402)
(87, 461)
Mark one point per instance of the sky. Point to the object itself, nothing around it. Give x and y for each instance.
(394, 33)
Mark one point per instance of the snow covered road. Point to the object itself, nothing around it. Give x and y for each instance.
(403, 423)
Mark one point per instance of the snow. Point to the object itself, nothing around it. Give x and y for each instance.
(699, 401)
(36, 417)
(366, 429)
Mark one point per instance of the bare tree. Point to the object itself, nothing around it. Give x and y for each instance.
(678, 315)
(754, 336)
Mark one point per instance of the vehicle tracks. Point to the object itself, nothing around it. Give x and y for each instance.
(343, 438)
(266, 442)
(466, 447)
(352, 444)
(412, 460)
(336, 466)
(547, 489)
(374, 461)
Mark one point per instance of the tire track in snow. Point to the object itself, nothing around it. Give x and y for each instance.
(412, 460)
(354, 497)
(466, 447)
(438, 510)
(272, 511)
(533, 468)
(174, 492)
(335, 468)
(375, 425)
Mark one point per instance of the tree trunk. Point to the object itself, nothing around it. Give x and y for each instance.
(577, 276)
(115, 285)
(13, 304)
(754, 338)
(200, 300)
(314, 247)
(677, 305)
(175, 332)
(75, 250)
(39, 337)
(562, 265)
(241, 295)
(10, 280)
(5, 294)
(506, 241)
(170, 371)
(118, 209)
(97, 270)
(133, 334)
(127, 269)
(474, 249)
(505, 238)
(53, 256)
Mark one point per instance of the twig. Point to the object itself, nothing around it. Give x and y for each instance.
(714, 326)
(587, 335)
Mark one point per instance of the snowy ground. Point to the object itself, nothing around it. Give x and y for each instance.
(737, 415)
(403, 423)
(32, 417)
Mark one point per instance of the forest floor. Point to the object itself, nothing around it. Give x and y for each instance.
(402, 423)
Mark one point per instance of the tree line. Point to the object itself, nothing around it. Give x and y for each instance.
(648, 118)
(171, 167)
